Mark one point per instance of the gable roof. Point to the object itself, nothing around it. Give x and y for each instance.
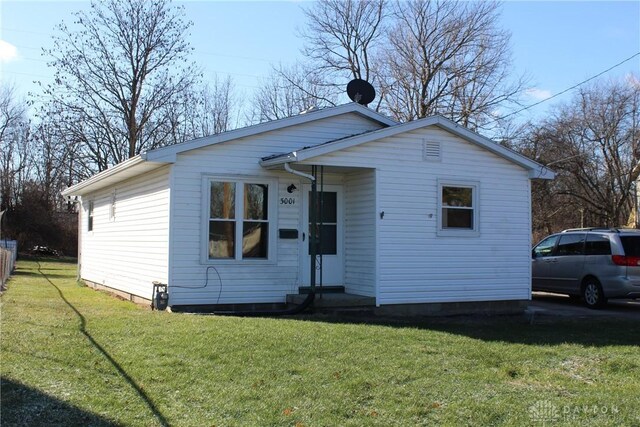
(168, 154)
(152, 159)
(536, 170)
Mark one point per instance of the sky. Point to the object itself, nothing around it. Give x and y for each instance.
(556, 44)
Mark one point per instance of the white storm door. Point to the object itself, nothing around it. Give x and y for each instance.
(332, 229)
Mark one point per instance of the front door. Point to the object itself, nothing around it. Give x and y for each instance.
(331, 246)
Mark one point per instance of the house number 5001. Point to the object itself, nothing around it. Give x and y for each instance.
(287, 201)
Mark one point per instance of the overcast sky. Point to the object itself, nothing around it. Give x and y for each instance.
(558, 44)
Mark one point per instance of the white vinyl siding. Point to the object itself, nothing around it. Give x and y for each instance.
(359, 232)
(415, 264)
(128, 249)
(242, 282)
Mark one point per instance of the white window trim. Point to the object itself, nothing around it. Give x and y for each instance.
(112, 206)
(91, 216)
(452, 232)
(272, 215)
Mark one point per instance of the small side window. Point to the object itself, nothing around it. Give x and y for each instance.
(458, 212)
(112, 206)
(570, 244)
(90, 217)
(545, 248)
(597, 244)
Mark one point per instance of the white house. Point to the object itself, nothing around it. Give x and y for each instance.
(413, 213)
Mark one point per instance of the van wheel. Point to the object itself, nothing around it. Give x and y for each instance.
(592, 294)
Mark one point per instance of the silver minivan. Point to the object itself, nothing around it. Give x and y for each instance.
(594, 264)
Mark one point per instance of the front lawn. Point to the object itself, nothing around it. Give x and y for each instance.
(74, 356)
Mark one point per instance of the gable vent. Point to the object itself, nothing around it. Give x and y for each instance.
(431, 151)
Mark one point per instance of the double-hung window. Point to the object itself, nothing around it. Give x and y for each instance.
(239, 219)
(458, 213)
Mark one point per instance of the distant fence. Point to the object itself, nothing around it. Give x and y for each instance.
(8, 257)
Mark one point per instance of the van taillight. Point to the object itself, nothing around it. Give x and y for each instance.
(627, 261)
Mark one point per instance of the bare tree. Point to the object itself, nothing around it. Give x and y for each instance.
(287, 92)
(210, 109)
(117, 72)
(447, 58)
(15, 150)
(57, 156)
(593, 143)
(341, 37)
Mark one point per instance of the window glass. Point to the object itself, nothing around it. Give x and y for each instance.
(223, 196)
(457, 196)
(570, 244)
(545, 248)
(222, 239)
(255, 239)
(255, 228)
(631, 245)
(597, 244)
(457, 208)
(256, 201)
(233, 236)
(112, 207)
(328, 216)
(457, 218)
(90, 217)
(328, 203)
(222, 224)
(329, 239)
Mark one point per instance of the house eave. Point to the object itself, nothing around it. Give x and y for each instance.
(135, 166)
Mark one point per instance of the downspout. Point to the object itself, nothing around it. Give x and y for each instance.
(302, 174)
(311, 296)
(313, 242)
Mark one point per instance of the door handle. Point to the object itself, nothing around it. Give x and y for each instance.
(303, 236)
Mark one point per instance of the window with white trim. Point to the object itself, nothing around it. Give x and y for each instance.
(239, 220)
(457, 208)
(112, 206)
(90, 217)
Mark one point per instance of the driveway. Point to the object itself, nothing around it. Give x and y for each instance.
(561, 305)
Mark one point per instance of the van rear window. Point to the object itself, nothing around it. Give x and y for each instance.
(631, 245)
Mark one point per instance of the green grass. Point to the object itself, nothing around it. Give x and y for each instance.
(74, 356)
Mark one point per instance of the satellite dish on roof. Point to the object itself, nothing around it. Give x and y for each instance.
(361, 91)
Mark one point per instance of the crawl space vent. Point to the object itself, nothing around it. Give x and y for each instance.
(431, 151)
